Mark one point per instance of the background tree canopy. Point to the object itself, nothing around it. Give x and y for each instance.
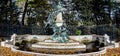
(34, 12)
(79, 13)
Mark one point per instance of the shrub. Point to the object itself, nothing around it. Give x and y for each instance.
(78, 32)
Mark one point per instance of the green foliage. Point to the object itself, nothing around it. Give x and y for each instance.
(37, 8)
(118, 30)
(85, 6)
(89, 23)
(78, 32)
(37, 3)
(8, 12)
(18, 2)
(89, 11)
(112, 3)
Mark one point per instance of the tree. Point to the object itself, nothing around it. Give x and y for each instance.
(104, 11)
(4, 9)
(96, 11)
(8, 12)
(24, 12)
(40, 10)
(34, 9)
(85, 8)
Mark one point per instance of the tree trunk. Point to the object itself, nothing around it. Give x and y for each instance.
(25, 9)
(11, 11)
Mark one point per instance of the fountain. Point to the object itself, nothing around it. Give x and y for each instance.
(59, 43)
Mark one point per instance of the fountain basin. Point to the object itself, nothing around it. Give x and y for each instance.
(59, 45)
(58, 48)
(47, 46)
